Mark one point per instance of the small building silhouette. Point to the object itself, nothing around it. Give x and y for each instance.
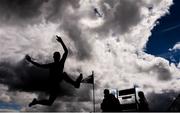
(128, 99)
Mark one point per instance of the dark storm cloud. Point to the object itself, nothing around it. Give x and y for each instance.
(161, 101)
(23, 12)
(23, 77)
(160, 69)
(70, 24)
(57, 8)
(120, 15)
(75, 34)
(164, 73)
(18, 10)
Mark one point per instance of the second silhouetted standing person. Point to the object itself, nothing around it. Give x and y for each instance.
(143, 104)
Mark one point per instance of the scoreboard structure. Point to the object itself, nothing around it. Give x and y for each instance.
(127, 98)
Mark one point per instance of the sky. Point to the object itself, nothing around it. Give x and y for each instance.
(165, 35)
(130, 42)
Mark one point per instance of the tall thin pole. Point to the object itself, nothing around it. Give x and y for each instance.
(136, 98)
(93, 93)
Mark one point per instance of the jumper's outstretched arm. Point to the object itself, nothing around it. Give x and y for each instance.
(28, 58)
(64, 47)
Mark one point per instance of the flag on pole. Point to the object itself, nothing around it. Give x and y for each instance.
(89, 79)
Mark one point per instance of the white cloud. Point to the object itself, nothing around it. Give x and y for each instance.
(112, 46)
(4, 96)
(176, 47)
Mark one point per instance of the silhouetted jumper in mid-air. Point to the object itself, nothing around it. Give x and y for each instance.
(56, 75)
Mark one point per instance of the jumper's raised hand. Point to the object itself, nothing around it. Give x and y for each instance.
(62, 43)
(58, 38)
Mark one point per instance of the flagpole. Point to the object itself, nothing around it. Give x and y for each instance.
(93, 93)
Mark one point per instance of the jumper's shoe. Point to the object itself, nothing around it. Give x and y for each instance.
(33, 102)
(78, 81)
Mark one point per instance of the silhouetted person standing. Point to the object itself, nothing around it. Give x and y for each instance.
(110, 103)
(143, 104)
(56, 75)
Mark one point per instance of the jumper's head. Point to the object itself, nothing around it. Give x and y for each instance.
(56, 56)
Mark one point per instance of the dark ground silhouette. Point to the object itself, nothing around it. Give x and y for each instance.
(56, 75)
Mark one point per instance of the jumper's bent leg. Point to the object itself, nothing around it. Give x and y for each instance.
(47, 102)
(76, 83)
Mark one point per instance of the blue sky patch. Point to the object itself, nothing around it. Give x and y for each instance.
(165, 35)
